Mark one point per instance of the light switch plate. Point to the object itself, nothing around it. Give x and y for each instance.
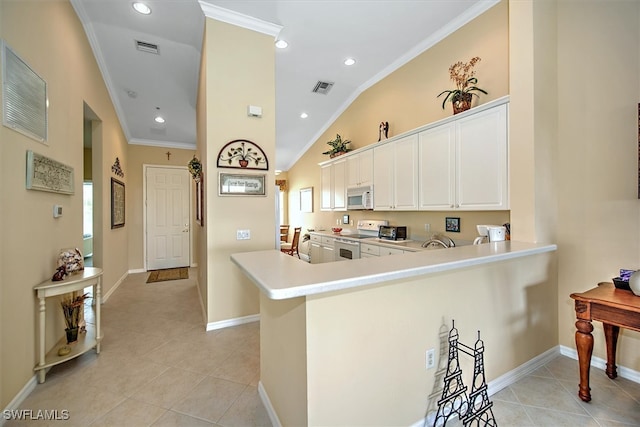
(243, 234)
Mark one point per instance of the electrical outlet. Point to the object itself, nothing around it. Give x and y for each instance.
(431, 358)
(243, 234)
(427, 227)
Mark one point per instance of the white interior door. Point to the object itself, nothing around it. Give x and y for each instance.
(168, 219)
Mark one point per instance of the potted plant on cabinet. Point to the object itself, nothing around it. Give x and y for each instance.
(72, 308)
(338, 146)
(463, 76)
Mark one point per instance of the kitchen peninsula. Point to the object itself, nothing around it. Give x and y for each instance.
(344, 343)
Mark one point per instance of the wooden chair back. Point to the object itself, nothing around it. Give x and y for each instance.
(293, 249)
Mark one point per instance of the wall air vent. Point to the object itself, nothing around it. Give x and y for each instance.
(322, 87)
(147, 47)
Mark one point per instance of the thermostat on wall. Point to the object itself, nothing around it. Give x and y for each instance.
(254, 111)
(57, 211)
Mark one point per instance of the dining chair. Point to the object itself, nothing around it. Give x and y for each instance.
(292, 248)
(284, 233)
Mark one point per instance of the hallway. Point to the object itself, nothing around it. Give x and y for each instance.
(157, 366)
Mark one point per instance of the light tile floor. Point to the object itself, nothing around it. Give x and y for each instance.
(158, 367)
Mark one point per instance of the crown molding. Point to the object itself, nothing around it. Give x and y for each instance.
(239, 19)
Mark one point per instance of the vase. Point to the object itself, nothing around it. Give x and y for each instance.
(461, 103)
(72, 335)
(339, 153)
(243, 163)
(634, 283)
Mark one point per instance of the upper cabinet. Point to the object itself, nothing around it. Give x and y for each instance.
(460, 162)
(333, 185)
(395, 178)
(360, 169)
(464, 164)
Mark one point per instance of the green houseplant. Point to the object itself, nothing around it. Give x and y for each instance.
(338, 146)
(463, 75)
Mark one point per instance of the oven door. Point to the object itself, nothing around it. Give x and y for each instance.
(346, 249)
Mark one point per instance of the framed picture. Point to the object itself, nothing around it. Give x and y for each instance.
(46, 174)
(306, 199)
(117, 203)
(200, 201)
(232, 184)
(452, 224)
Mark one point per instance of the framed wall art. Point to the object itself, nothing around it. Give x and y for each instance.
(242, 154)
(117, 203)
(306, 199)
(46, 174)
(200, 201)
(452, 224)
(232, 184)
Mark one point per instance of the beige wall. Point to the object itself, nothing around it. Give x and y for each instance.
(370, 344)
(407, 99)
(245, 77)
(137, 157)
(597, 175)
(50, 38)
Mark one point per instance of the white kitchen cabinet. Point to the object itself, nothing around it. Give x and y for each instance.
(464, 164)
(327, 249)
(367, 250)
(315, 254)
(384, 251)
(333, 186)
(360, 169)
(395, 179)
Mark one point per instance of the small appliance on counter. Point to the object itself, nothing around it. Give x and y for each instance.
(392, 232)
(490, 233)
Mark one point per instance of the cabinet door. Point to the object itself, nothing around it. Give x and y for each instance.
(366, 168)
(339, 186)
(360, 169)
(383, 158)
(481, 152)
(315, 254)
(327, 254)
(437, 168)
(405, 173)
(325, 182)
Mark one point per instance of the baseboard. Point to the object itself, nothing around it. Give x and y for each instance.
(20, 397)
(137, 270)
(105, 296)
(273, 417)
(599, 363)
(506, 380)
(212, 326)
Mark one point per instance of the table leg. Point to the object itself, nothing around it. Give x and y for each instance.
(611, 337)
(43, 315)
(584, 345)
(98, 300)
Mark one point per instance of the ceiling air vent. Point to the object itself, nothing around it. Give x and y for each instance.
(147, 47)
(322, 87)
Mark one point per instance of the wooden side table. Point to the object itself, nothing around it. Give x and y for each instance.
(91, 276)
(615, 308)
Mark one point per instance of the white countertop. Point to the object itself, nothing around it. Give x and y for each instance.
(281, 276)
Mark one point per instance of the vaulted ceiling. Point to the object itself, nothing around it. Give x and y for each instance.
(145, 82)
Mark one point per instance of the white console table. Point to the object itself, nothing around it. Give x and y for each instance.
(91, 276)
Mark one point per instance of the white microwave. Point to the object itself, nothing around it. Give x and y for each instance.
(360, 198)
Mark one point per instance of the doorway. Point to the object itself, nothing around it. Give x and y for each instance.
(92, 188)
(167, 217)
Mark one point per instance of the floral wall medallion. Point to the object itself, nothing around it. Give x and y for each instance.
(242, 154)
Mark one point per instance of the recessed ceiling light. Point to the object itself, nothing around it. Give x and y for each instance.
(159, 119)
(281, 44)
(349, 61)
(142, 8)
(304, 115)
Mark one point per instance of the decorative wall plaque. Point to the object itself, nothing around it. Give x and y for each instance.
(46, 174)
(241, 185)
(242, 154)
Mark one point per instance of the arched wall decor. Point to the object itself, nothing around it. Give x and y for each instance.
(242, 154)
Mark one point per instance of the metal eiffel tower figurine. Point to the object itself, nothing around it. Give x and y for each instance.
(479, 413)
(475, 409)
(454, 394)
